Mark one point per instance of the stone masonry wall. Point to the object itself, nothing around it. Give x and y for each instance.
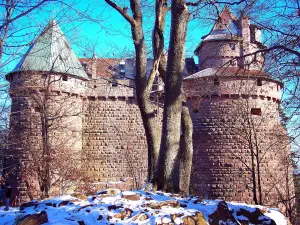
(31, 107)
(114, 142)
(226, 128)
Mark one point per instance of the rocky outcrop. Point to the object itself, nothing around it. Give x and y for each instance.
(35, 219)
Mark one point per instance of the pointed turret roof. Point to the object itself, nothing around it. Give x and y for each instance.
(51, 52)
(225, 28)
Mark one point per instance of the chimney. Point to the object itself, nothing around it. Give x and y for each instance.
(94, 66)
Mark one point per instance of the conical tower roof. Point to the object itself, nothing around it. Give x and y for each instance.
(225, 28)
(51, 52)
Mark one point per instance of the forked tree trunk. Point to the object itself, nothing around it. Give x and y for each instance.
(175, 95)
(168, 179)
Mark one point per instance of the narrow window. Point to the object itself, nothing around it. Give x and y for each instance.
(259, 82)
(232, 46)
(95, 86)
(37, 109)
(65, 78)
(278, 87)
(216, 81)
(256, 111)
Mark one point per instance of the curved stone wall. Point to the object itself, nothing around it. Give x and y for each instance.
(219, 53)
(232, 132)
(32, 106)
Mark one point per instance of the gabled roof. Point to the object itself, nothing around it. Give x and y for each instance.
(51, 52)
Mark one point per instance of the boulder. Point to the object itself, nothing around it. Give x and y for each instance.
(35, 219)
(126, 213)
(83, 207)
(197, 219)
(132, 197)
(80, 222)
(159, 205)
(79, 195)
(141, 217)
(188, 220)
(100, 217)
(29, 204)
(222, 215)
(255, 217)
(63, 203)
(50, 204)
(114, 207)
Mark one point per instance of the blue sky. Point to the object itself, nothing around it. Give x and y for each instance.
(107, 31)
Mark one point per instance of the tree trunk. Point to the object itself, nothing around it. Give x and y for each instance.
(186, 148)
(45, 170)
(148, 112)
(168, 168)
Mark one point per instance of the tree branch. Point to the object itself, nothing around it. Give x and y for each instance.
(121, 11)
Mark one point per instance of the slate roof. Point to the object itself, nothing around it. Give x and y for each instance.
(226, 28)
(51, 52)
(228, 72)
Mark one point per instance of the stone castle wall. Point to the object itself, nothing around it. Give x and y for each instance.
(43, 104)
(115, 147)
(226, 128)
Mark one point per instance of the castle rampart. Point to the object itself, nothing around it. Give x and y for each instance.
(91, 115)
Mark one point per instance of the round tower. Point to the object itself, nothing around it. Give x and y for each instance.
(239, 143)
(47, 89)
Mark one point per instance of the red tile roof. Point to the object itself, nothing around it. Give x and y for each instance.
(104, 66)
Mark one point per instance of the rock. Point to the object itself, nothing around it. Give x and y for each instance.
(188, 220)
(126, 213)
(132, 197)
(83, 207)
(35, 219)
(174, 216)
(79, 195)
(182, 205)
(148, 198)
(29, 204)
(80, 222)
(108, 218)
(50, 204)
(197, 219)
(141, 217)
(112, 192)
(101, 196)
(114, 207)
(159, 205)
(222, 215)
(255, 217)
(100, 217)
(63, 203)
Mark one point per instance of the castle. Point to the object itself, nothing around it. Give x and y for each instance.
(86, 109)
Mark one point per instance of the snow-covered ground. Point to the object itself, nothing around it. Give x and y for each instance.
(141, 207)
